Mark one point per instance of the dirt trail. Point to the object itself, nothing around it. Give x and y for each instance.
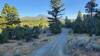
(55, 47)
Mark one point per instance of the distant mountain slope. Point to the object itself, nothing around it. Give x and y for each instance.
(34, 18)
(35, 21)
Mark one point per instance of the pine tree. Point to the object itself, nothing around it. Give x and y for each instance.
(54, 23)
(97, 16)
(90, 8)
(86, 24)
(10, 14)
(6, 10)
(78, 23)
(67, 22)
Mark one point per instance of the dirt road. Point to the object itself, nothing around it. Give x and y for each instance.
(55, 47)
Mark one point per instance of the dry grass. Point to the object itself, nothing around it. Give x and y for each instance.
(25, 48)
(73, 50)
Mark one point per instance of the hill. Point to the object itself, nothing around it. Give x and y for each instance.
(34, 21)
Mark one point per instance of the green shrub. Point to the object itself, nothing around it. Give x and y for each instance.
(55, 28)
(3, 39)
(36, 32)
(7, 32)
(19, 33)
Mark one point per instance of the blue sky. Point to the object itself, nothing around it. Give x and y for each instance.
(37, 7)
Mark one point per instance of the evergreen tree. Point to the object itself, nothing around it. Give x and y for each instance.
(97, 16)
(67, 22)
(54, 23)
(86, 24)
(10, 14)
(78, 23)
(90, 8)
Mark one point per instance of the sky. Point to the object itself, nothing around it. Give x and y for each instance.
(40, 7)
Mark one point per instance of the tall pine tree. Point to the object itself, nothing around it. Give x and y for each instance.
(90, 8)
(56, 13)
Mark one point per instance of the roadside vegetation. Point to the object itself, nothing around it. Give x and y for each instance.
(85, 34)
(12, 27)
(26, 29)
(86, 23)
